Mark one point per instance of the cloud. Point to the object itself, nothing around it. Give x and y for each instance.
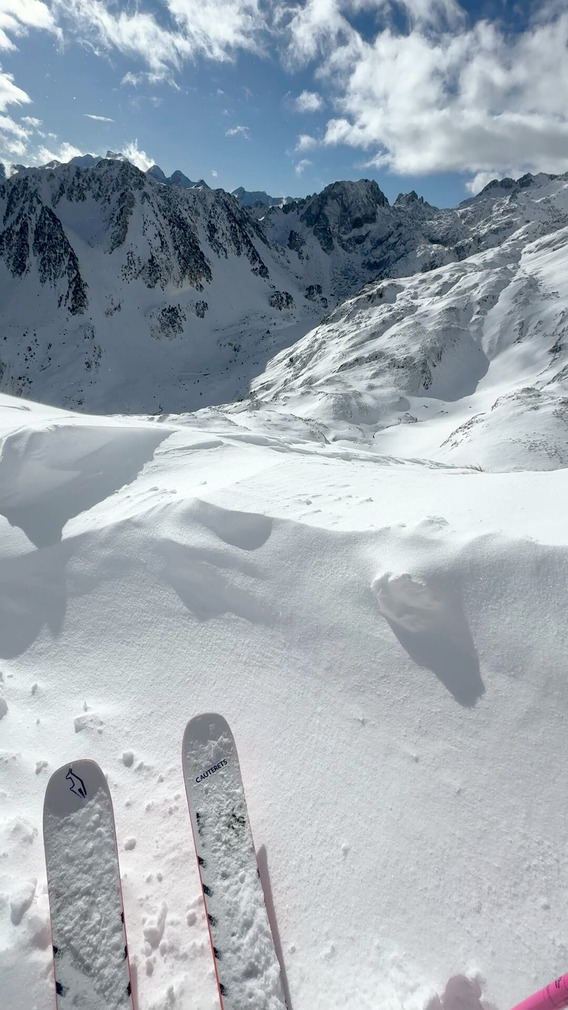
(309, 101)
(306, 142)
(476, 99)
(17, 16)
(99, 119)
(214, 29)
(137, 157)
(214, 173)
(63, 153)
(13, 135)
(10, 94)
(237, 131)
(8, 125)
(302, 165)
(320, 27)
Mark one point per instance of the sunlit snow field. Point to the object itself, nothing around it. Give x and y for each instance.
(387, 637)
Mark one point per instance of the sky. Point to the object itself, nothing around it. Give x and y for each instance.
(438, 96)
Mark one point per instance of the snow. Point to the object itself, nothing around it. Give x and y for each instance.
(477, 349)
(362, 565)
(386, 636)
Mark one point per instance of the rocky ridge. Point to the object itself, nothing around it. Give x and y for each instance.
(100, 263)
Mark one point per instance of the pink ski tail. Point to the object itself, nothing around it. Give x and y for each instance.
(552, 996)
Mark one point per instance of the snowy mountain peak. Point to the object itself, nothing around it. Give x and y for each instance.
(250, 198)
(99, 264)
(410, 199)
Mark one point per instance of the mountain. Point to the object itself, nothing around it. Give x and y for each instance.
(177, 178)
(250, 198)
(106, 273)
(465, 364)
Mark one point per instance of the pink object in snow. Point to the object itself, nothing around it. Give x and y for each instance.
(555, 994)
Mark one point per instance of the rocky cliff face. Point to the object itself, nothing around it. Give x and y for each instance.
(103, 267)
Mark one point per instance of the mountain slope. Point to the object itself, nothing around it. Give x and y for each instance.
(102, 270)
(472, 356)
(109, 276)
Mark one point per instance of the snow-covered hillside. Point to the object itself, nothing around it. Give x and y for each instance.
(122, 292)
(111, 281)
(467, 363)
(387, 638)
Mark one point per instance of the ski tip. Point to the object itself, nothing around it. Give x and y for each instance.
(71, 785)
(206, 727)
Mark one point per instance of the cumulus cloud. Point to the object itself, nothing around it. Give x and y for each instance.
(302, 165)
(306, 142)
(475, 99)
(238, 131)
(99, 119)
(309, 101)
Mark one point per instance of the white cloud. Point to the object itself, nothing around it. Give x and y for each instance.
(8, 125)
(215, 29)
(306, 142)
(309, 101)
(302, 165)
(315, 29)
(17, 16)
(214, 173)
(10, 94)
(137, 157)
(99, 119)
(63, 153)
(474, 99)
(237, 131)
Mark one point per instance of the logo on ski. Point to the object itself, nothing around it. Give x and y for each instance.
(77, 785)
(211, 771)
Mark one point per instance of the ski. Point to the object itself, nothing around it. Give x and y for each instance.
(246, 966)
(90, 954)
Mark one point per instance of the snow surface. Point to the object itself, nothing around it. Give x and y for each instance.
(386, 635)
(478, 350)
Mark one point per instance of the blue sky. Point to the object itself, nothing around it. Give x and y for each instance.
(433, 95)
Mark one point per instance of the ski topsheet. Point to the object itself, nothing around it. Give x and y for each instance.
(90, 955)
(246, 965)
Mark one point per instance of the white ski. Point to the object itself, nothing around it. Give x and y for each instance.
(246, 965)
(90, 954)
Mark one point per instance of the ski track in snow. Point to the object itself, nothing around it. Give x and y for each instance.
(387, 639)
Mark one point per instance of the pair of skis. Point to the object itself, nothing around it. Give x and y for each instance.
(90, 951)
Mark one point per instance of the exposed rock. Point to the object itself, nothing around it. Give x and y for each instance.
(281, 300)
